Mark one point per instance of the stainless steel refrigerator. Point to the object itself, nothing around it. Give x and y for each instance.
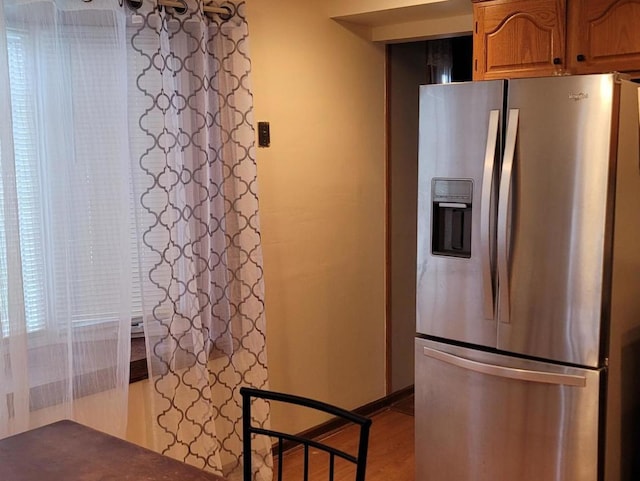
(528, 281)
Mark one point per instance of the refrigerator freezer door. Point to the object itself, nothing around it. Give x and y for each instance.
(488, 417)
(559, 208)
(459, 155)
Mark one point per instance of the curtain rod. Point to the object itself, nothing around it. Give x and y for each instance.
(205, 7)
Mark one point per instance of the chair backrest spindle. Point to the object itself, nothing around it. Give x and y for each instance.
(248, 429)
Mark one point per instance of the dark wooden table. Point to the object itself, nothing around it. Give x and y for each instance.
(68, 451)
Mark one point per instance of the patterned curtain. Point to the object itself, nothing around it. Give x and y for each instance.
(200, 257)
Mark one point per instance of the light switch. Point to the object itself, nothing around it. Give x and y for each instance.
(264, 135)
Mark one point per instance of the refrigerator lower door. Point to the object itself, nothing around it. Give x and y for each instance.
(488, 417)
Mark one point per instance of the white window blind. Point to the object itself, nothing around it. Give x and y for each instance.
(23, 112)
(51, 250)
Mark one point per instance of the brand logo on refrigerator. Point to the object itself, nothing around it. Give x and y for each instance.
(578, 96)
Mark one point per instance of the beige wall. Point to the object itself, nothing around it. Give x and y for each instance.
(322, 201)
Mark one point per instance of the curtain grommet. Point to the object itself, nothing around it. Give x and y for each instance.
(134, 4)
(181, 10)
(226, 16)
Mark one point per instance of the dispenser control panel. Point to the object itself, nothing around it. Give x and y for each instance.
(452, 190)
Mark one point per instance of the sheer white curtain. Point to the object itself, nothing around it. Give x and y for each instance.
(65, 267)
(201, 260)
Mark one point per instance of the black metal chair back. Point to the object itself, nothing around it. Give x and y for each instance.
(364, 424)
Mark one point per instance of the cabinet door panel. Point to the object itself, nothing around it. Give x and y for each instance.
(604, 35)
(518, 38)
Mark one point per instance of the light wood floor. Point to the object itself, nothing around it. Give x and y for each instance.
(390, 456)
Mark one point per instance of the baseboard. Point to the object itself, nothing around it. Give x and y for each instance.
(384, 402)
(334, 424)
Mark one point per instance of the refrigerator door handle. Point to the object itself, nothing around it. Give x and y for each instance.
(503, 215)
(507, 372)
(486, 215)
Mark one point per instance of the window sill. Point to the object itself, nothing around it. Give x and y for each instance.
(138, 365)
(138, 370)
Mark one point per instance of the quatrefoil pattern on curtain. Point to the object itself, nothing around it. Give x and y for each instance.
(201, 261)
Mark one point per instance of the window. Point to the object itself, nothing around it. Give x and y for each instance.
(68, 195)
(27, 185)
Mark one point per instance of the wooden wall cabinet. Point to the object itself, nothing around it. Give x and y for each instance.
(533, 38)
(518, 38)
(604, 35)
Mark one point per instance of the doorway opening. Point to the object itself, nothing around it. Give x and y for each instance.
(409, 66)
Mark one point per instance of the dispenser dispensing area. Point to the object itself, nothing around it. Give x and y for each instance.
(452, 213)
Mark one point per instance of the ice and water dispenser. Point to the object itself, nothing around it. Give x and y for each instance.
(452, 210)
